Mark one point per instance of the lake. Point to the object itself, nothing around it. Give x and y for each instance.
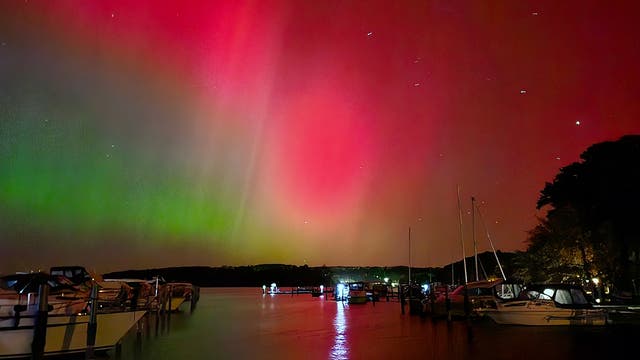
(242, 323)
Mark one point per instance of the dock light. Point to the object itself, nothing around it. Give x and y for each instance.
(425, 288)
(386, 279)
(274, 288)
(342, 292)
(264, 289)
(596, 281)
(322, 289)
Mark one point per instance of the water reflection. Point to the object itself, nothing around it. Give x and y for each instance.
(340, 349)
(236, 323)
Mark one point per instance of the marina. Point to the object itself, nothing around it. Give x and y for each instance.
(242, 323)
(68, 311)
(313, 322)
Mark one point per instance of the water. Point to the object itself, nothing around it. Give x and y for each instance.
(241, 323)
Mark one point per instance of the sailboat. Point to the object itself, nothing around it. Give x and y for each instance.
(472, 298)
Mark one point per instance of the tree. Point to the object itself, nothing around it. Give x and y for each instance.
(595, 208)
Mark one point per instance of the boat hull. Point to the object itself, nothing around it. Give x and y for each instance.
(357, 299)
(65, 334)
(541, 315)
(175, 304)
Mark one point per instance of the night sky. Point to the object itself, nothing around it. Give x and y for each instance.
(138, 134)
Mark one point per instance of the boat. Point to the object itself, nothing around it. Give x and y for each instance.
(142, 292)
(114, 294)
(621, 314)
(479, 294)
(548, 304)
(178, 293)
(19, 295)
(65, 334)
(67, 320)
(473, 298)
(357, 293)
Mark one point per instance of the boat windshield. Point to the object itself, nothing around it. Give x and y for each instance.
(571, 296)
(579, 297)
(563, 296)
(508, 291)
(29, 283)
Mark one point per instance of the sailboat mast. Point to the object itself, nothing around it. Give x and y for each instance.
(491, 243)
(409, 257)
(464, 256)
(473, 235)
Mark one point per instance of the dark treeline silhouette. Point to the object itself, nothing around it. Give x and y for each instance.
(292, 275)
(590, 230)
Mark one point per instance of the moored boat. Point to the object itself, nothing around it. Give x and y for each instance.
(479, 295)
(19, 295)
(67, 317)
(179, 293)
(65, 333)
(357, 293)
(548, 304)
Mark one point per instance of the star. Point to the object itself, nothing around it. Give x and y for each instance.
(523, 91)
(578, 123)
(369, 33)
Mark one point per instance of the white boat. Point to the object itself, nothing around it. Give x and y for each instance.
(65, 334)
(548, 304)
(178, 293)
(142, 294)
(19, 295)
(112, 293)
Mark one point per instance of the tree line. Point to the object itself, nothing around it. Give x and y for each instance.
(590, 232)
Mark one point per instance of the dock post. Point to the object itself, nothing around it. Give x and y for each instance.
(92, 327)
(401, 298)
(157, 322)
(467, 307)
(138, 346)
(169, 310)
(447, 303)
(192, 300)
(40, 328)
(118, 350)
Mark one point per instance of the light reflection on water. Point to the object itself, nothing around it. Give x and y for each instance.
(240, 323)
(340, 349)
